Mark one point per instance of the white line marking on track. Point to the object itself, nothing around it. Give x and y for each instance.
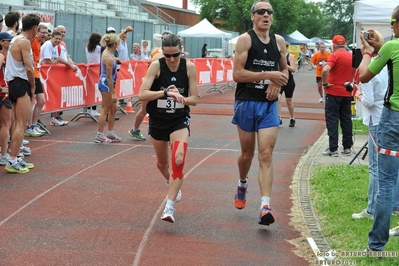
(156, 216)
(59, 184)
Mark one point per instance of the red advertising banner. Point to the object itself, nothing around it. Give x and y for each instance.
(65, 89)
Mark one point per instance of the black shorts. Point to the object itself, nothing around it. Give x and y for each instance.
(160, 129)
(288, 89)
(318, 79)
(38, 84)
(5, 101)
(18, 88)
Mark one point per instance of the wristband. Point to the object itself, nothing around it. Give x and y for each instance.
(325, 84)
(165, 92)
(367, 53)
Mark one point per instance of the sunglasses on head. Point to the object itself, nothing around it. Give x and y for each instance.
(392, 20)
(262, 11)
(172, 55)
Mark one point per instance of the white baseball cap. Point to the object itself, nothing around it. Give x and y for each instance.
(111, 30)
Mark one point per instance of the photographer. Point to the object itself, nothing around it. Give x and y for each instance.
(335, 73)
(388, 131)
(371, 95)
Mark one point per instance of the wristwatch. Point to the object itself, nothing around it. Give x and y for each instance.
(165, 92)
(325, 84)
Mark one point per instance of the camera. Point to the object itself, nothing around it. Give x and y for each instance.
(348, 86)
(366, 35)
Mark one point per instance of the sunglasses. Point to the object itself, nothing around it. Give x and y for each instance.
(172, 55)
(262, 11)
(392, 20)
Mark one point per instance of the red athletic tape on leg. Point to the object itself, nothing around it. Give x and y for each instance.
(177, 171)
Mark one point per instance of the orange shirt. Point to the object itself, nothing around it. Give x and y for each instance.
(320, 60)
(35, 45)
(155, 52)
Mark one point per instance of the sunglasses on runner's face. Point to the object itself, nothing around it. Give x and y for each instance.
(172, 55)
(262, 11)
(392, 20)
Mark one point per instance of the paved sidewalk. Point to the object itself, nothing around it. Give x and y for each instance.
(308, 222)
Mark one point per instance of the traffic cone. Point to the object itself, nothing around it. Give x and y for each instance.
(129, 108)
(145, 121)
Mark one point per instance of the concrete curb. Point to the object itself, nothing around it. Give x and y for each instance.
(303, 173)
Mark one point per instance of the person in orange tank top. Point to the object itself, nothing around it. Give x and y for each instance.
(318, 61)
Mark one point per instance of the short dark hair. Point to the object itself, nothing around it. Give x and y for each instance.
(171, 40)
(29, 21)
(12, 17)
(56, 32)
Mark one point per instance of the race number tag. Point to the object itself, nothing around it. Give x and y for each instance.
(169, 105)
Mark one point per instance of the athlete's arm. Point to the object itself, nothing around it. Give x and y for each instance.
(192, 99)
(108, 63)
(25, 48)
(240, 74)
(145, 94)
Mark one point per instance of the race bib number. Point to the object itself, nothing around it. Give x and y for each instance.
(169, 105)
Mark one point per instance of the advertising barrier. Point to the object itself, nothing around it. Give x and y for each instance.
(65, 89)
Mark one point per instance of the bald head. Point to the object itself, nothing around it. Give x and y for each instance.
(61, 29)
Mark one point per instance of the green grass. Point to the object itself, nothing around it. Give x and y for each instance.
(358, 128)
(337, 193)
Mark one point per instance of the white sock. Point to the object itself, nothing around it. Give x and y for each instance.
(265, 201)
(293, 118)
(170, 203)
(13, 161)
(135, 129)
(243, 183)
(100, 133)
(111, 132)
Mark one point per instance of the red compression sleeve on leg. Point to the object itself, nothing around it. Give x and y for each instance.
(177, 170)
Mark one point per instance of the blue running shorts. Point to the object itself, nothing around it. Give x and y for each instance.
(251, 116)
(103, 85)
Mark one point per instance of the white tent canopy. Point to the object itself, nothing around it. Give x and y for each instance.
(370, 14)
(299, 36)
(232, 45)
(204, 29)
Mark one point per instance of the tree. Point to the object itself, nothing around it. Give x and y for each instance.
(289, 15)
(339, 17)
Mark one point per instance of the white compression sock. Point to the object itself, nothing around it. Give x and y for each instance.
(265, 201)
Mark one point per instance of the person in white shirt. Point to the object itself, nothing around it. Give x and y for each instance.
(122, 49)
(138, 54)
(21, 89)
(93, 55)
(50, 53)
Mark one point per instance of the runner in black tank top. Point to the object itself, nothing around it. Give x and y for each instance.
(289, 88)
(170, 86)
(260, 69)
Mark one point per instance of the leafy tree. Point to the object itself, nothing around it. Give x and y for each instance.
(339, 19)
(289, 15)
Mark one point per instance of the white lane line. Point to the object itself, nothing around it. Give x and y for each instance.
(156, 216)
(59, 184)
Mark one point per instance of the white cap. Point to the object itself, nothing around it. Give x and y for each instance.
(111, 29)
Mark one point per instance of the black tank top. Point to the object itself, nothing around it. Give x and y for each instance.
(261, 57)
(166, 107)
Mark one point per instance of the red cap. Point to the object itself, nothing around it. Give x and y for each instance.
(339, 40)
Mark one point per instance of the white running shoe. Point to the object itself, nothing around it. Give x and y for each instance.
(394, 231)
(168, 215)
(178, 197)
(94, 113)
(56, 122)
(362, 214)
